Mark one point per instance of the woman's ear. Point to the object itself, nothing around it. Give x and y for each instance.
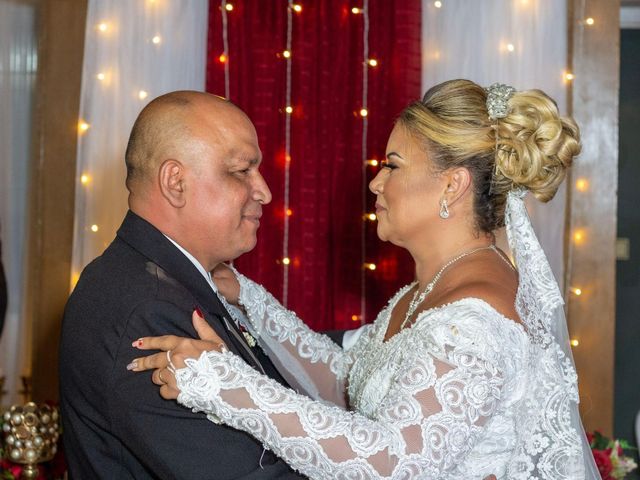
(172, 182)
(458, 181)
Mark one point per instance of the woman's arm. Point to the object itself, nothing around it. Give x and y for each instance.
(306, 358)
(429, 421)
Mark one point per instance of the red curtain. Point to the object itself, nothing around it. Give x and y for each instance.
(326, 187)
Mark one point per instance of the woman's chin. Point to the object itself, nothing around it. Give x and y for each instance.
(382, 235)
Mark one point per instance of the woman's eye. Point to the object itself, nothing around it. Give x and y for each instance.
(388, 164)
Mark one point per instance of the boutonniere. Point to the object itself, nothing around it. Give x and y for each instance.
(247, 336)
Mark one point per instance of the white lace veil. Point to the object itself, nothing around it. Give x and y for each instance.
(552, 442)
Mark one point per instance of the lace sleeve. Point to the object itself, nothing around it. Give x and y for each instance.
(308, 360)
(431, 418)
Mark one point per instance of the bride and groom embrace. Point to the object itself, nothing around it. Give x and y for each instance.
(462, 375)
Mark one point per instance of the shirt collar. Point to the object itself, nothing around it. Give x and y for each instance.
(196, 263)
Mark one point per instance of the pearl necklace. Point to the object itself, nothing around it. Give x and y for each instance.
(418, 297)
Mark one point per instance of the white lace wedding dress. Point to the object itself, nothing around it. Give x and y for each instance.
(461, 394)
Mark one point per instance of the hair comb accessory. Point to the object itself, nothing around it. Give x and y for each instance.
(498, 96)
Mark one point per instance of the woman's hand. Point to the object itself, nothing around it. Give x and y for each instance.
(227, 283)
(174, 351)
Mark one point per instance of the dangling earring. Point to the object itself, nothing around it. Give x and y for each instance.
(444, 210)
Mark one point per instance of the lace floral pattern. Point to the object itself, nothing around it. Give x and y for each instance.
(417, 414)
(549, 429)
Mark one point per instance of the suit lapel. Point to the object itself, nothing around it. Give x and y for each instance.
(150, 242)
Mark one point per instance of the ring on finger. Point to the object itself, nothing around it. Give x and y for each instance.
(171, 367)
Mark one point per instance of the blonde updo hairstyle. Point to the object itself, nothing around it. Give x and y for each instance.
(531, 148)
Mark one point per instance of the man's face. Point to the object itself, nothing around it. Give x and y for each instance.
(224, 189)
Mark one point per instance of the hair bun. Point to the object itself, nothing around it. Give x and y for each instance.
(534, 145)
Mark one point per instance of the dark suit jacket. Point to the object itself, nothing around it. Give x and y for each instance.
(116, 425)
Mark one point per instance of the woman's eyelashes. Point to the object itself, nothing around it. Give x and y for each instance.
(388, 164)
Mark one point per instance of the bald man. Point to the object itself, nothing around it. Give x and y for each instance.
(195, 199)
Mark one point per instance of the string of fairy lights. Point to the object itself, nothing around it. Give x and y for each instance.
(578, 234)
(364, 113)
(288, 109)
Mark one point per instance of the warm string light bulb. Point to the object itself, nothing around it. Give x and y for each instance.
(355, 318)
(364, 112)
(579, 236)
(228, 7)
(83, 126)
(582, 184)
(590, 21)
(574, 342)
(289, 109)
(286, 260)
(94, 228)
(101, 76)
(297, 7)
(286, 54)
(103, 26)
(370, 266)
(568, 76)
(371, 216)
(288, 212)
(142, 94)
(576, 291)
(156, 39)
(372, 163)
(373, 62)
(222, 58)
(510, 47)
(356, 10)
(85, 179)
(437, 4)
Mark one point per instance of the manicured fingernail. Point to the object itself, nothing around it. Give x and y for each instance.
(136, 343)
(132, 365)
(199, 312)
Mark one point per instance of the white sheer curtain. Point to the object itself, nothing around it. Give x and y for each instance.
(519, 42)
(18, 65)
(135, 50)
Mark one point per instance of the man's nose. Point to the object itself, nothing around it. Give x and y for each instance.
(261, 192)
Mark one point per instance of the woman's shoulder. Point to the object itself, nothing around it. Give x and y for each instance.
(471, 325)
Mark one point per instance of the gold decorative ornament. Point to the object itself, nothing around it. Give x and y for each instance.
(31, 435)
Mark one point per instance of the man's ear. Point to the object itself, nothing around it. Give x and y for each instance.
(172, 182)
(458, 181)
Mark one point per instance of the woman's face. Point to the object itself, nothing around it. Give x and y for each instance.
(408, 190)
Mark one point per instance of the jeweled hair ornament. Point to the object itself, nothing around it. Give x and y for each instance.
(498, 96)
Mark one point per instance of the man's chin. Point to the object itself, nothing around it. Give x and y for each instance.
(246, 248)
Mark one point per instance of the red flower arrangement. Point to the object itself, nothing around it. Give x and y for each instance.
(609, 456)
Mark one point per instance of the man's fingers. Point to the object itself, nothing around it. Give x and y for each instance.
(164, 343)
(205, 332)
(150, 362)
